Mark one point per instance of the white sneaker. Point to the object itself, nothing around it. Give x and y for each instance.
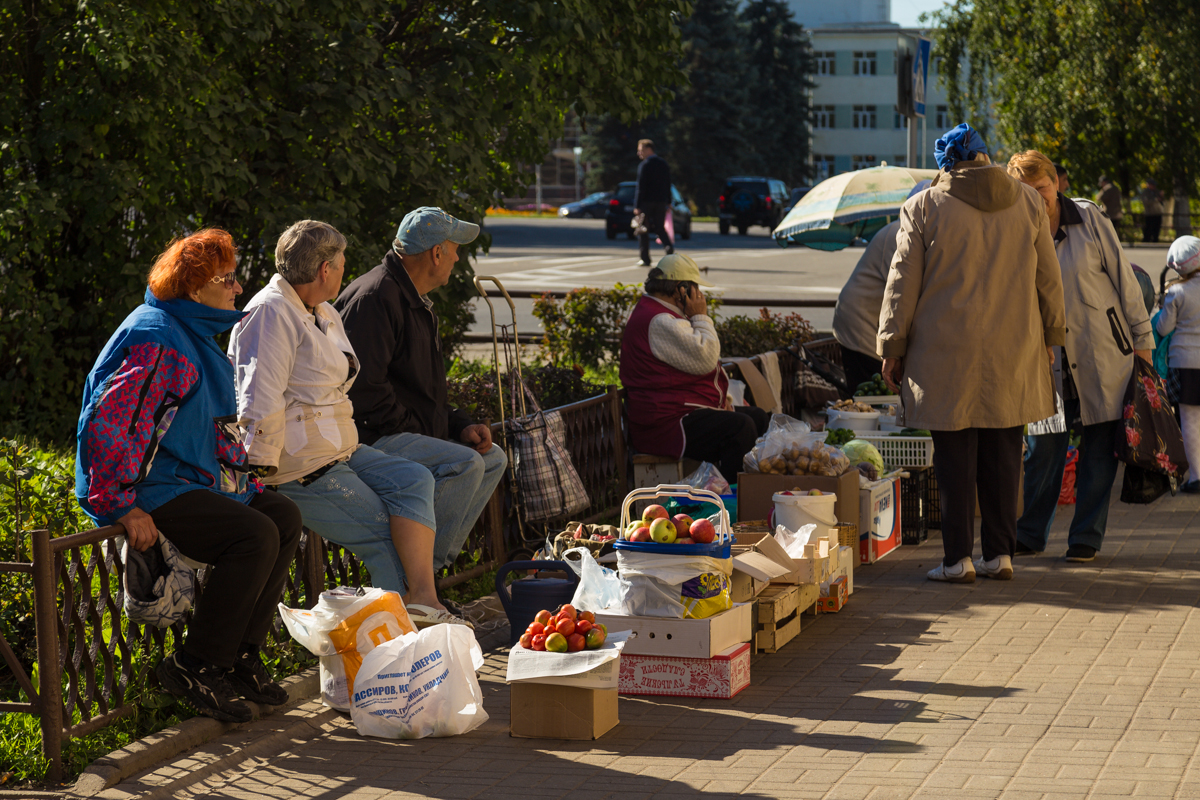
(962, 572)
(999, 568)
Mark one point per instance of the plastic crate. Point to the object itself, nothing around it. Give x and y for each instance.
(933, 503)
(901, 451)
(914, 506)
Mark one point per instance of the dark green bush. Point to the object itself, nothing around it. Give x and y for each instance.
(585, 327)
(743, 336)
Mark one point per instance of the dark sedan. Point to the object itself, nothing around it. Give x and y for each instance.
(620, 213)
(594, 206)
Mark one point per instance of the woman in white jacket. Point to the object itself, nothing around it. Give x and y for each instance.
(1181, 314)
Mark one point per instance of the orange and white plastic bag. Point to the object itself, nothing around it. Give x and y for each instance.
(341, 629)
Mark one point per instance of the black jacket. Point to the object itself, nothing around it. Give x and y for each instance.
(401, 387)
(653, 182)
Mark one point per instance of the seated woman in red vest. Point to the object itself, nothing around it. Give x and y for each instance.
(670, 367)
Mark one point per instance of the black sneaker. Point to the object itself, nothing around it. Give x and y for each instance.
(249, 678)
(205, 688)
(1191, 487)
(1080, 553)
(1022, 550)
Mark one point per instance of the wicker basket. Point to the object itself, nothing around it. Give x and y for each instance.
(847, 534)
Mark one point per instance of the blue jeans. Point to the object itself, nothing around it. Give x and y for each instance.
(464, 481)
(352, 505)
(1095, 472)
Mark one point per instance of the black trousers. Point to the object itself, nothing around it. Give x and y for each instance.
(859, 367)
(988, 459)
(249, 549)
(1151, 227)
(723, 437)
(656, 216)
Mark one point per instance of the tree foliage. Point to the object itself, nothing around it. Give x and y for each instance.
(124, 124)
(1103, 86)
(745, 107)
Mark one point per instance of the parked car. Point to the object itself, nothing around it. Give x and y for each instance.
(797, 195)
(594, 206)
(750, 200)
(620, 212)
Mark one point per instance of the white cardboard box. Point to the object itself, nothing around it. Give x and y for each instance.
(684, 638)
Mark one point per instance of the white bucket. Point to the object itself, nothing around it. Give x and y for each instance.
(794, 511)
(854, 420)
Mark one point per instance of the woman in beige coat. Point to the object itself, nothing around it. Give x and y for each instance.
(973, 306)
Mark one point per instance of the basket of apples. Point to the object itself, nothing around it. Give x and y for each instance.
(658, 532)
(564, 631)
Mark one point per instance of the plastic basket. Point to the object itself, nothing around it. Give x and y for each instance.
(720, 547)
(902, 451)
(933, 503)
(914, 506)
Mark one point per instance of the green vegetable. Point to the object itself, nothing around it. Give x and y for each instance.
(860, 451)
(839, 436)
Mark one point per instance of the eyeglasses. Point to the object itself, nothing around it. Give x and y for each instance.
(229, 280)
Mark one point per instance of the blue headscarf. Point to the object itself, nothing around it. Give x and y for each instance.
(958, 144)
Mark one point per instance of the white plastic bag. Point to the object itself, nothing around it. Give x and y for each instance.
(707, 476)
(342, 628)
(599, 589)
(675, 586)
(794, 541)
(420, 684)
(789, 447)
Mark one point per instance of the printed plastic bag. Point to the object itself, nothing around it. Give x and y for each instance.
(342, 628)
(677, 587)
(789, 447)
(1150, 438)
(707, 476)
(599, 589)
(420, 684)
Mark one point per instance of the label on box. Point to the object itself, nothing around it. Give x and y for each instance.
(721, 676)
(879, 520)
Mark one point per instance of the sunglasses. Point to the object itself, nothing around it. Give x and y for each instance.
(229, 280)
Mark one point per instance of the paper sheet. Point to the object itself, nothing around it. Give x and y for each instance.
(525, 664)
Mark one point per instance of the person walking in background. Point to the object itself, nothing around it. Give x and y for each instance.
(856, 317)
(972, 311)
(1152, 211)
(1091, 370)
(1181, 314)
(160, 453)
(1110, 198)
(652, 200)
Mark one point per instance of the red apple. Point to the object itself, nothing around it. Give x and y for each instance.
(527, 641)
(682, 524)
(583, 626)
(654, 512)
(642, 534)
(703, 532)
(535, 628)
(685, 540)
(569, 612)
(589, 616)
(662, 530)
(539, 642)
(565, 626)
(542, 616)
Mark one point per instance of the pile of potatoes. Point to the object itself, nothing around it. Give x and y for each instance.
(796, 459)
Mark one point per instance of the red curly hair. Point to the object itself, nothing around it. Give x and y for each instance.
(190, 262)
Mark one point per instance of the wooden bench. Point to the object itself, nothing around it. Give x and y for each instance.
(649, 471)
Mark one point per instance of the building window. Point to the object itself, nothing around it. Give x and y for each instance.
(824, 117)
(823, 166)
(901, 122)
(864, 116)
(862, 162)
(864, 62)
(943, 118)
(826, 63)
(899, 161)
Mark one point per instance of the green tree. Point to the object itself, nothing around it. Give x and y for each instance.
(1107, 88)
(781, 67)
(124, 124)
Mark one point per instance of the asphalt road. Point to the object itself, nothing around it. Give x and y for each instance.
(559, 254)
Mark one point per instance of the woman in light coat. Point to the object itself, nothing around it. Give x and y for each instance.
(1107, 325)
(973, 305)
(1181, 314)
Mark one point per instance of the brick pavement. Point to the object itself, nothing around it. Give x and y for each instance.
(1071, 681)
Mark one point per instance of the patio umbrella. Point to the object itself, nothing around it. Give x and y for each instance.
(842, 208)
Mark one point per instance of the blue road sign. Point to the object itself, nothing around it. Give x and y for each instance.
(920, 75)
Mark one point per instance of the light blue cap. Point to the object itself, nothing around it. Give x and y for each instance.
(426, 227)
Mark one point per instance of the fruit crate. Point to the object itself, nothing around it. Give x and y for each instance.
(914, 506)
(777, 617)
(902, 451)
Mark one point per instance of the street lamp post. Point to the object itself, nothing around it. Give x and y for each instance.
(578, 153)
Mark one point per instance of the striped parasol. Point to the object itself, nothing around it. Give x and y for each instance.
(848, 206)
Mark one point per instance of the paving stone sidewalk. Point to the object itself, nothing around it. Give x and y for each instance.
(1070, 681)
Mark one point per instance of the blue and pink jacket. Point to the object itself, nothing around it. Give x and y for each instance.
(160, 414)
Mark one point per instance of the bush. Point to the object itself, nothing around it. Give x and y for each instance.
(585, 327)
(743, 336)
(472, 388)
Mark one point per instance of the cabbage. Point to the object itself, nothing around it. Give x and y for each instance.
(860, 450)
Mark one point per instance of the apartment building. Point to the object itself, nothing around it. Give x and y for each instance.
(855, 123)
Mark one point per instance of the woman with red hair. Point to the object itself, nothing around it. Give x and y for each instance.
(160, 454)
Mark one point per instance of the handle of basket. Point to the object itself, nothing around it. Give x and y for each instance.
(675, 490)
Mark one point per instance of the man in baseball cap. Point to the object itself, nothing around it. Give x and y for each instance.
(399, 397)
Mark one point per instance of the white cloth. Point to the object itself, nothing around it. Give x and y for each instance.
(689, 345)
(769, 365)
(1181, 314)
(1190, 417)
(293, 371)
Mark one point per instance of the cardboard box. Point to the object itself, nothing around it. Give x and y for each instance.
(545, 711)
(835, 598)
(604, 676)
(743, 588)
(811, 569)
(879, 527)
(720, 677)
(755, 490)
(755, 564)
(683, 638)
(846, 566)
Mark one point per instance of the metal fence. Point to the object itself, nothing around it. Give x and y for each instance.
(93, 663)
